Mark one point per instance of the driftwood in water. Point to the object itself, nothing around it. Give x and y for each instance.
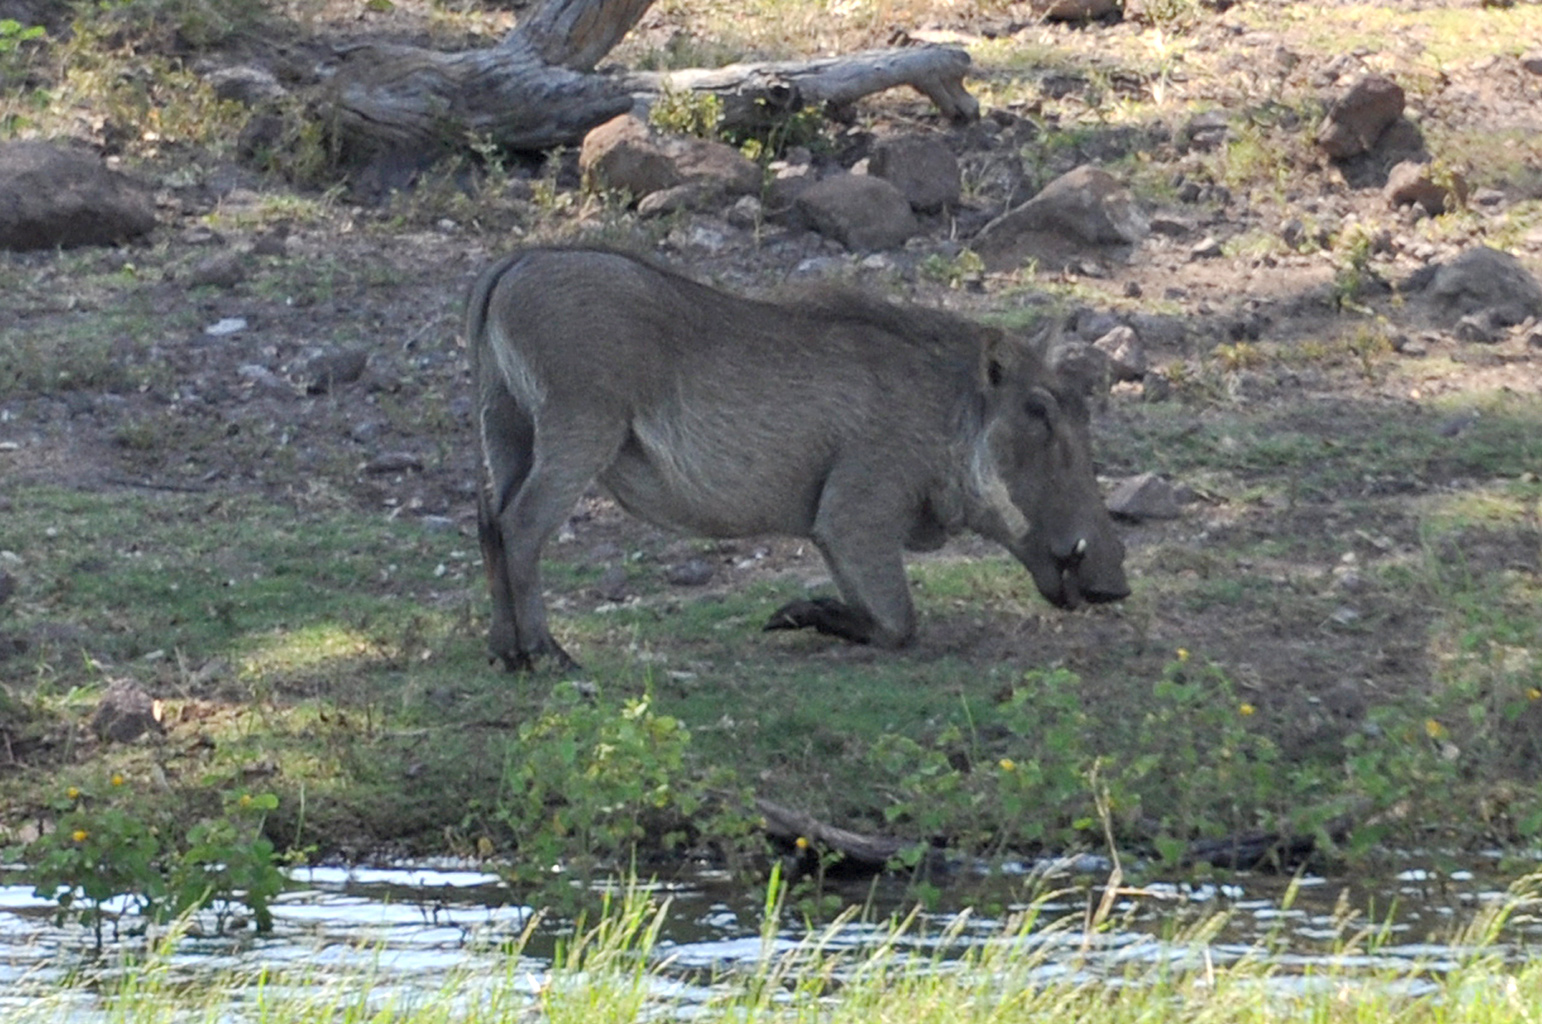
(537, 88)
(788, 826)
(1261, 851)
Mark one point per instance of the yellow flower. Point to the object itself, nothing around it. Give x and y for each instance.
(1534, 693)
(1245, 709)
(80, 835)
(1434, 729)
(246, 800)
(1008, 765)
(73, 793)
(802, 843)
(117, 779)
(1183, 654)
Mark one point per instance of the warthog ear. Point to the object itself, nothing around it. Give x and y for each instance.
(1082, 366)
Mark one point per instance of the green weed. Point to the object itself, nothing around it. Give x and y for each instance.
(105, 845)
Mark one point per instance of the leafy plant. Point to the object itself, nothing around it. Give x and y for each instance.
(105, 856)
(96, 853)
(687, 112)
(586, 781)
(228, 862)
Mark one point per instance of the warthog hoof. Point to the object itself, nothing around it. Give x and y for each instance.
(526, 661)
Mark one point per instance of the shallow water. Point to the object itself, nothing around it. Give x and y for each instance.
(412, 928)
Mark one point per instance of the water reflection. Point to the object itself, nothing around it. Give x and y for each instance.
(413, 928)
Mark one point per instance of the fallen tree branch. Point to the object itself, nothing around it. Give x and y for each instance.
(789, 826)
(756, 94)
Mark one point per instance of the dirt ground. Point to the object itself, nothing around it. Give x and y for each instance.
(227, 394)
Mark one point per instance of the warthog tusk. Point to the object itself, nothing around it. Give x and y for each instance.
(1081, 547)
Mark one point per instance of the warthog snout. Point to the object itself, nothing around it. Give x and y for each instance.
(1091, 574)
(1079, 570)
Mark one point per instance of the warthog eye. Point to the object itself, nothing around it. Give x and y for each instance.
(1039, 405)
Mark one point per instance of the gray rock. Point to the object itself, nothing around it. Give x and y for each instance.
(1486, 279)
(1087, 204)
(393, 462)
(1479, 328)
(1075, 10)
(1356, 120)
(1410, 183)
(220, 270)
(246, 84)
(1205, 131)
(612, 584)
(693, 572)
(1532, 62)
(59, 196)
(922, 167)
(627, 153)
(327, 372)
(1161, 330)
(745, 213)
(1126, 355)
(1146, 496)
(623, 153)
(859, 211)
(125, 713)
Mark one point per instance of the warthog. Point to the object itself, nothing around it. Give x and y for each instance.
(864, 426)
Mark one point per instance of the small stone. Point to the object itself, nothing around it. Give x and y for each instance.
(366, 432)
(221, 270)
(1126, 355)
(225, 327)
(327, 372)
(1478, 328)
(1208, 248)
(1458, 423)
(693, 572)
(612, 584)
(125, 713)
(1345, 616)
(393, 462)
(1146, 496)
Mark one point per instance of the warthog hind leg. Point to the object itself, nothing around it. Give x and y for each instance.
(544, 486)
(825, 614)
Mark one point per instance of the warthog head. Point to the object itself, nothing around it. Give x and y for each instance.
(1033, 471)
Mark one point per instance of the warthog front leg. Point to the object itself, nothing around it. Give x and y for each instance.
(864, 555)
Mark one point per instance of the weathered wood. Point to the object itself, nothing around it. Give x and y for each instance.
(575, 34)
(789, 825)
(393, 99)
(752, 92)
(536, 89)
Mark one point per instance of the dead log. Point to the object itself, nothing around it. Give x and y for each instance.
(754, 94)
(788, 826)
(537, 88)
